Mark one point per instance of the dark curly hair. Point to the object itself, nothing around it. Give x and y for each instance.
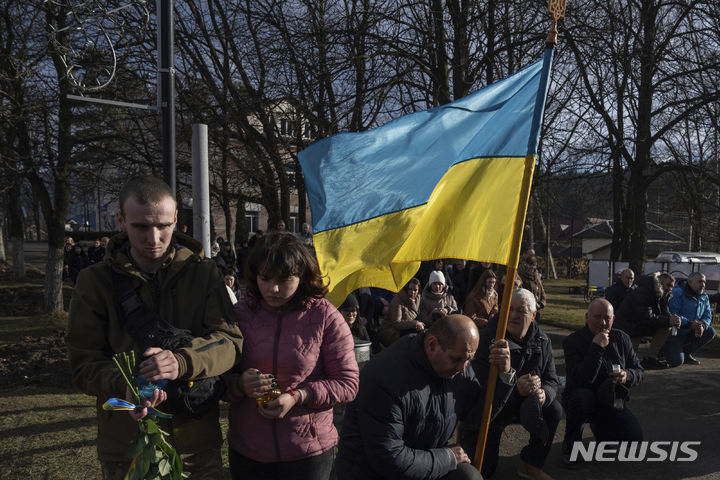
(282, 255)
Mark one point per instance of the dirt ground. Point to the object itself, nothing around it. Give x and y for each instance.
(35, 361)
(680, 404)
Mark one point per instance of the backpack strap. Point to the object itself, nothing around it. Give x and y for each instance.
(143, 324)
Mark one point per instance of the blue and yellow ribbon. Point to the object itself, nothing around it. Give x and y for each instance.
(118, 404)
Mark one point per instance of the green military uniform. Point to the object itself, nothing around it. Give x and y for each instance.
(187, 292)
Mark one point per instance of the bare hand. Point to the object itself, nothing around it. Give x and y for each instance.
(255, 384)
(460, 455)
(698, 327)
(602, 339)
(479, 321)
(279, 407)
(621, 377)
(160, 364)
(419, 326)
(528, 384)
(541, 395)
(675, 321)
(157, 398)
(500, 355)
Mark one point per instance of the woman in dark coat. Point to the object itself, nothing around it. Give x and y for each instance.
(78, 260)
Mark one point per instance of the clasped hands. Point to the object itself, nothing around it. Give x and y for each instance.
(531, 385)
(255, 384)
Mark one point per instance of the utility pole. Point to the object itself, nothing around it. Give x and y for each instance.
(166, 69)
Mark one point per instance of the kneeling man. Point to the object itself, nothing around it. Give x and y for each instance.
(411, 396)
(533, 402)
(601, 366)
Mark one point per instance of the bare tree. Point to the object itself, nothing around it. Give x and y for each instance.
(645, 67)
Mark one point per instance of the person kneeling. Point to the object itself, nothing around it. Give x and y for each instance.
(601, 366)
(533, 402)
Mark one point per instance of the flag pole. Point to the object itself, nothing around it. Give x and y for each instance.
(557, 10)
(505, 304)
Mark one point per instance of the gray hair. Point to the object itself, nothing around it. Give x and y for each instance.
(694, 275)
(527, 298)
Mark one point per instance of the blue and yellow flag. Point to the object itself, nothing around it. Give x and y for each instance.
(449, 182)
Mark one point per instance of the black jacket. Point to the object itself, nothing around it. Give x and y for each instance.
(642, 311)
(534, 356)
(587, 364)
(617, 293)
(399, 424)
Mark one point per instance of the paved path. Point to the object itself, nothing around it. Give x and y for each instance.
(681, 404)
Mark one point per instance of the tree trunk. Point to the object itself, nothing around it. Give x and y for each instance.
(619, 239)
(637, 210)
(3, 256)
(225, 199)
(241, 233)
(16, 233)
(54, 267)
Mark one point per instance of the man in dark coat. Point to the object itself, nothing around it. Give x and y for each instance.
(168, 272)
(619, 290)
(601, 366)
(411, 396)
(533, 401)
(96, 252)
(644, 313)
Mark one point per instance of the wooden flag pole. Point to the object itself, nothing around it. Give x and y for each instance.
(514, 256)
(557, 10)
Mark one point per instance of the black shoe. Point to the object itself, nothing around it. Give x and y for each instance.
(690, 360)
(652, 363)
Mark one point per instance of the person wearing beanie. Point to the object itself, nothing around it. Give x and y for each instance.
(436, 300)
(349, 310)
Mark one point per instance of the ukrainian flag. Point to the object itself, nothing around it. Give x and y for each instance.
(449, 182)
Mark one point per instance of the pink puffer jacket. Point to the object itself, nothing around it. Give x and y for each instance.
(311, 349)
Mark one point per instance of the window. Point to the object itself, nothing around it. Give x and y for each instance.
(252, 221)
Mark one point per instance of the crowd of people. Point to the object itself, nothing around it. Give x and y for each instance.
(676, 319)
(76, 259)
(284, 358)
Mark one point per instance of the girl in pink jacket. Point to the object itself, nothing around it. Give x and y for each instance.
(297, 345)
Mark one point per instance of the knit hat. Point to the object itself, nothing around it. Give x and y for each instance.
(350, 303)
(436, 276)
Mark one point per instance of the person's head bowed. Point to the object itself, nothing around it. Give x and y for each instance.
(281, 270)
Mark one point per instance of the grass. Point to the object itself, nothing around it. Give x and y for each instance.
(14, 329)
(563, 309)
(48, 434)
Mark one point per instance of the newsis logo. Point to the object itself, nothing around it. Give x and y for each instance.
(657, 451)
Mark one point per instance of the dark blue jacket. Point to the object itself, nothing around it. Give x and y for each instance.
(533, 356)
(399, 424)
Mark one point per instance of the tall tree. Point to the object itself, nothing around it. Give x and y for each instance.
(645, 66)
